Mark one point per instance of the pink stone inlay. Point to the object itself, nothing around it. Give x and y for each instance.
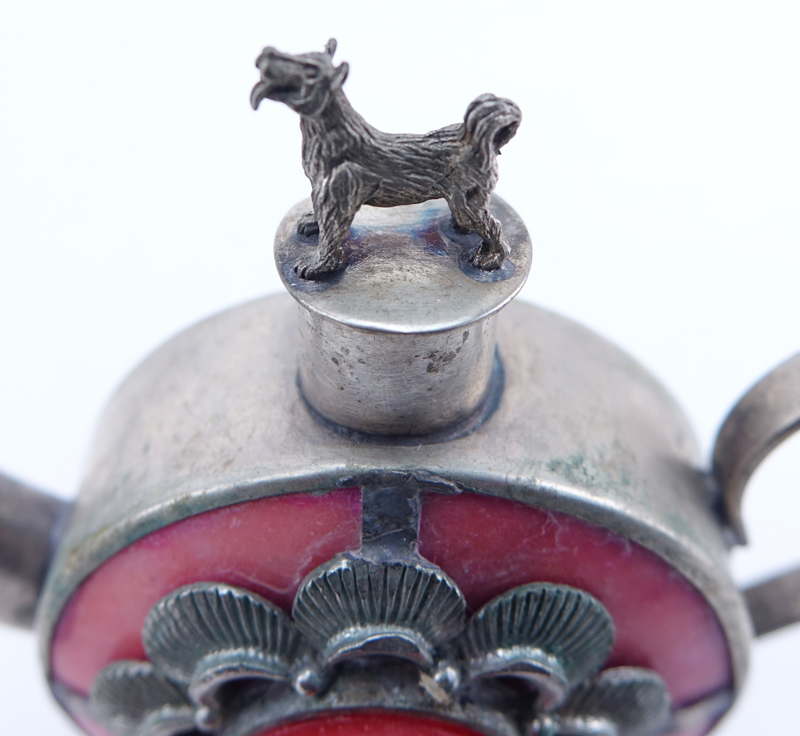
(488, 545)
(267, 546)
(372, 723)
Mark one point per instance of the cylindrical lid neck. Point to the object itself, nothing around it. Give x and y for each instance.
(400, 342)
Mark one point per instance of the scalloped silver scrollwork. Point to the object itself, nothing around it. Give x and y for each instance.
(380, 627)
(364, 630)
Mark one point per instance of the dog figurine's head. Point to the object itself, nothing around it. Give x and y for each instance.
(304, 82)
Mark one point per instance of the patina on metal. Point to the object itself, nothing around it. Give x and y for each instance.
(31, 523)
(171, 694)
(134, 699)
(620, 701)
(398, 374)
(384, 599)
(400, 347)
(774, 603)
(351, 164)
(765, 416)
(530, 656)
(551, 636)
(206, 635)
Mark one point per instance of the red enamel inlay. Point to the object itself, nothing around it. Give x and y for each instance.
(267, 546)
(372, 723)
(486, 544)
(376, 723)
(369, 723)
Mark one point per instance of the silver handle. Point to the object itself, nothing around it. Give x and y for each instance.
(774, 603)
(30, 524)
(765, 416)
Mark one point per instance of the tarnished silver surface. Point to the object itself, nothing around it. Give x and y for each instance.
(402, 342)
(396, 254)
(764, 417)
(397, 686)
(383, 602)
(133, 699)
(352, 607)
(208, 634)
(390, 521)
(351, 164)
(31, 523)
(214, 418)
(214, 648)
(695, 718)
(621, 701)
(551, 635)
(282, 704)
(211, 621)
(383, 599)
(774, 603)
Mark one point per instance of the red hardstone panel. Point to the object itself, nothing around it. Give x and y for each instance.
(486, 544)
(369, 723)
(372, 723)
(267, 546)
(376, 723)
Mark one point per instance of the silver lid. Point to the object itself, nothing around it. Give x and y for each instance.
(401, 342)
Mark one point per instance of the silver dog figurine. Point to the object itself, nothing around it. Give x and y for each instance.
(350, 163)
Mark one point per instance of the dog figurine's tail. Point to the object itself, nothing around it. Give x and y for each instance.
(489, 123)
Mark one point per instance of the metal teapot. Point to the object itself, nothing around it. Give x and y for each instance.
(585, 473)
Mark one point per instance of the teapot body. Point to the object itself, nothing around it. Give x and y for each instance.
(208, 465)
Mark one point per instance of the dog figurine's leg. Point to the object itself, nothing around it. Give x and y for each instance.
(474, 215)
(336, 202)
(307, 225)
(493, 251)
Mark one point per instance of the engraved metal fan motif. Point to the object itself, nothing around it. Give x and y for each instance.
(133, 699)
(207, 634)
(381, 627)
(622, 701)
(353, 607)
(202, 630)
(553, 636)
(361, 631)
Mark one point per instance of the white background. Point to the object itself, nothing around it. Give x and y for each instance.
(656, 168)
